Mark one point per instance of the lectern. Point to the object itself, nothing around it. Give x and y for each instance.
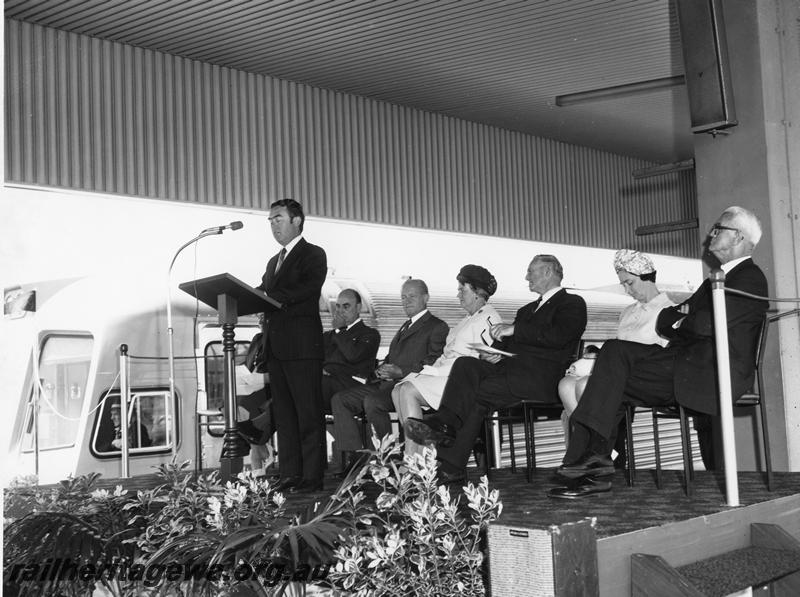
(231, 298)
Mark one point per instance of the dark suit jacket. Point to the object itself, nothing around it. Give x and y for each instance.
(695, 374)
(421, 344)
(545, 342)
(351, 352)
(295, 330)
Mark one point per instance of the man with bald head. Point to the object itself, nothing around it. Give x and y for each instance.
(682, 373)
(418, 342)
(350, 347)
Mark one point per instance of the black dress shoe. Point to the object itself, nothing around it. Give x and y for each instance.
(250, 432)
(429, 431)
(594, 465)
(586, 487)
(288, 483)
(307, 486)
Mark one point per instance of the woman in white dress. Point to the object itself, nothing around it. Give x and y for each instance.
(424, 389)
(637, 322)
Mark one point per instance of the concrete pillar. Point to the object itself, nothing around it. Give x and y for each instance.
(757, 165)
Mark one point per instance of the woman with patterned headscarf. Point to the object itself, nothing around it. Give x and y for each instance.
(637, 322)
(424, 389)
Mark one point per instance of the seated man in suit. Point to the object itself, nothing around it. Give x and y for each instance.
(110, 434)
(543, 338)
(419, 342)
(350, 347)
(684, 372)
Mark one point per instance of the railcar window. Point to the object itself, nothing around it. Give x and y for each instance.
(63, 372)
(149, 424)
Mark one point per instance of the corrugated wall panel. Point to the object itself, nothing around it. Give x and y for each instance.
(102, 116)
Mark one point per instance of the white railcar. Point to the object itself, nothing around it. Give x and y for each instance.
(98, 265)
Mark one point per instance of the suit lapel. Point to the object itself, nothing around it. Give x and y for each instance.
(399, 338)
(293, 255)
(270, 275)
(530, 312)
(288, 261)
(416, 326)
(745, 263)
(353, 331)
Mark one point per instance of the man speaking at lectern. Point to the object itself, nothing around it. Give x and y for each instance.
(293, 349)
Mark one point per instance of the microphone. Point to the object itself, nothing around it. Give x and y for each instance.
(220, 229)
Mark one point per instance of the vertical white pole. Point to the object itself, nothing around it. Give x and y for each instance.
(173, 419)
(124, 395)
(724, 379)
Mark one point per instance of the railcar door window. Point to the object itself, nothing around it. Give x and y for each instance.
(63, 372)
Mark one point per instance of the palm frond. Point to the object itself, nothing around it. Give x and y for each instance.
(39, 535)
(192, 548)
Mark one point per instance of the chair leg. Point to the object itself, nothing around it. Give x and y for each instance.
(657, 448)
(511, 446)
(765, 438)
(487, 444)
(630, 457)
(686, 441)
(530, 455)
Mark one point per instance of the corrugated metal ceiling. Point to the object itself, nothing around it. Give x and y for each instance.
(499, 63)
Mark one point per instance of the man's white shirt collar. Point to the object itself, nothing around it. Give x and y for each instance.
(416, 317)
(292, 244)
(349, 326)
(726, 267)
(546, 296)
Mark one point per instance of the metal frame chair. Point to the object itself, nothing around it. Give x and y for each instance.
(528, 417)
(747, 400)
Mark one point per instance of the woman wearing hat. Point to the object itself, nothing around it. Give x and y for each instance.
(637, 322)
(424, 389)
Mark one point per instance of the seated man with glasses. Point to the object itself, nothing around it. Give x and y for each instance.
(542, 342)
(683, 372)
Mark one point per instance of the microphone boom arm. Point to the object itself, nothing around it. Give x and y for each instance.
(171, 353)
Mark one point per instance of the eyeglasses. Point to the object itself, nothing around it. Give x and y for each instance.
(717, 228)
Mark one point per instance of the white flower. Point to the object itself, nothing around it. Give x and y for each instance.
(215, 505)
(100, 494)
(215, 518)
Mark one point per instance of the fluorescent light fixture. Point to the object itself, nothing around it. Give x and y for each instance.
(667, 227)
(662, 169)
(618, 91)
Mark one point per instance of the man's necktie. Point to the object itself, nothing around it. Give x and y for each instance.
(281, 256)
(537, 304)
(404, 327)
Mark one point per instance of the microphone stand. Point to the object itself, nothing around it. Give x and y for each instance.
(171, 357)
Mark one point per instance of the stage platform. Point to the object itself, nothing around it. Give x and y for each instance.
(645, 519)
(626, 520)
